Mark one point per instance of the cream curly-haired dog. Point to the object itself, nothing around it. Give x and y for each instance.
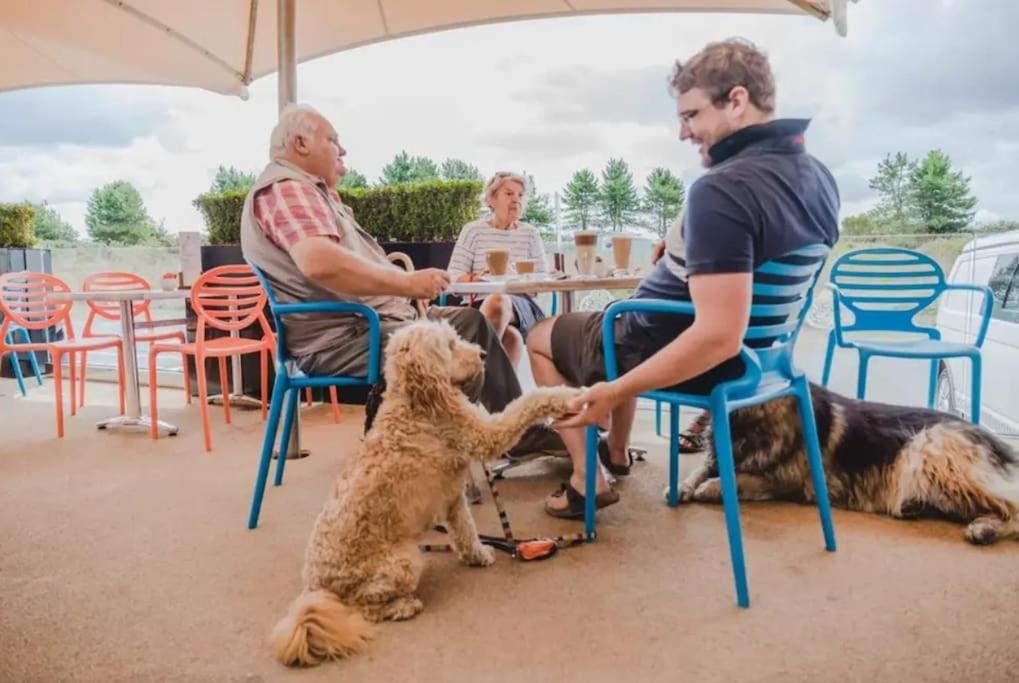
(362, 563)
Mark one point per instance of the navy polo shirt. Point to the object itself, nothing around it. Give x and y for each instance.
(763, 197)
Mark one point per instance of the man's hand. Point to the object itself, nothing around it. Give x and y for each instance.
(426, 284)
(657, 252)
(592, 406)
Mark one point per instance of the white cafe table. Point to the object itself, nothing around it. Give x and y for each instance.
(127, 299)
(566, 286)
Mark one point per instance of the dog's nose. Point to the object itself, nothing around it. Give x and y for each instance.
(482, 354)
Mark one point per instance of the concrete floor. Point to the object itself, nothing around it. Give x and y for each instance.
(124, 559)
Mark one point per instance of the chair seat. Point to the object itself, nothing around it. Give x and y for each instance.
(929, 348)
(80, 344)
(157, 336)
(222, 346)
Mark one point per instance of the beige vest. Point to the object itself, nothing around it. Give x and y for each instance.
(313, 332)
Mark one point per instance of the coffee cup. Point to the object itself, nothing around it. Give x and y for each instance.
(524, 266)
(586, 243)
(497, 261)
(621, 248)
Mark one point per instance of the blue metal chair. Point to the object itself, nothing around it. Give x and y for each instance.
(290, 380)
(783, 291)
(884, 289)
(15, 365)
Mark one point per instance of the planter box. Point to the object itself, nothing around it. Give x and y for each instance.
(13, 260)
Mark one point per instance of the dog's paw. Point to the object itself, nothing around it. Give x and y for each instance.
(709, 491)
(480, 556)
(685, 493)
(555, 400)
(982, 531)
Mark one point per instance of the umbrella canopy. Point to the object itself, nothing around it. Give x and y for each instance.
(222, 45)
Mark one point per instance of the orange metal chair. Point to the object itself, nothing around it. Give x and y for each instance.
(25, 300)
(225, 298)
(111, 311)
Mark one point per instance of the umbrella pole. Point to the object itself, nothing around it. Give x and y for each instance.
(286, 52)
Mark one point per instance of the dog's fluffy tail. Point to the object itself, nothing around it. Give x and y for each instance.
(318, 627)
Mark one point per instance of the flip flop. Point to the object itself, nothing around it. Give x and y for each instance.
(575, 502)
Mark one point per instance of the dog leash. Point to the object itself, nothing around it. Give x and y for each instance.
(526, 550)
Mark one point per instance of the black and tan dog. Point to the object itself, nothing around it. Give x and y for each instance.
(904, 462)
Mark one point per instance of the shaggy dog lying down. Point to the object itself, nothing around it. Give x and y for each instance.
(904, 462)
(362, 563)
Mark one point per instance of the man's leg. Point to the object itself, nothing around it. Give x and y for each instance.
(539, 349)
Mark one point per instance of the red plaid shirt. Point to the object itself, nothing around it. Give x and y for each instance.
(289, 211)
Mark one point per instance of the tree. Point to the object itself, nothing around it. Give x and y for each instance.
(941, 195)
(51, 226)
(580, 199)
(456, 169)
(115, 214)
(892, 182)
(353, 180)
(407, 169)
(229, 179)
(618, 198)
(538, 211)
(664, 195)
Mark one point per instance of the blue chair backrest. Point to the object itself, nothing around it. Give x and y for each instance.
(783, 292)
(277, 322)
(885, 287)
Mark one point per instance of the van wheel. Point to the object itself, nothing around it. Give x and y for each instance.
(945, 396)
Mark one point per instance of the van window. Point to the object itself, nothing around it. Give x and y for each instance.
(1004, 283)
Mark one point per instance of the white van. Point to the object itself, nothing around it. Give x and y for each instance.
(991, 261)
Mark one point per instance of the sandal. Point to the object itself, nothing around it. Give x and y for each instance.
(613, 468)
(692, 441)
(575, 502)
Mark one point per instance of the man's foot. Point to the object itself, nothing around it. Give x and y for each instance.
(695, 438)
(568, 501)
(616, 463)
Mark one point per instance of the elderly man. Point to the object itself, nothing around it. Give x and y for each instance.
(762, 196)
(307, 242)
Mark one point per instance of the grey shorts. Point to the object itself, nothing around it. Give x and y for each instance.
(578, 355)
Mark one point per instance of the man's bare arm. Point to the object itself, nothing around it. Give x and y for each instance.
(722, 302)
(329, 264)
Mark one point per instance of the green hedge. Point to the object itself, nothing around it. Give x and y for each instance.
(434, 211)
(17, 225)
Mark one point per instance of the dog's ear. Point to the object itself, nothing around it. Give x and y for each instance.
(417, 361)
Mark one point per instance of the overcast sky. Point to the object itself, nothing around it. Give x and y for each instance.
(551, 97)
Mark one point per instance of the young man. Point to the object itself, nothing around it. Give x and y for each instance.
(761, 197)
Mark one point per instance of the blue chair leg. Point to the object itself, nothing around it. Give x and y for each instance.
(31, 357)
(813, 446)
(932, 387)
(555, 307)
(279, 390)
(861, 377)
(658, 417)
(673, 455)
(16, 367)
(590, 465)
(829, 358)
(975, 391)
(293, 398)
(730, 499)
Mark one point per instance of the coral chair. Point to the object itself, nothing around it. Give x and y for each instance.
(107, 310)
(26, 301)
(226, 298)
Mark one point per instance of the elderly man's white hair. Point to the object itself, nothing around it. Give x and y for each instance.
(295, 120)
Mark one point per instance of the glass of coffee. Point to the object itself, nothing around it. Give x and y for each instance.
(524, 267)
(621, 247)
(497, 260)
(586, 243)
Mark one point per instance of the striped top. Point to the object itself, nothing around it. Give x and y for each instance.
(477, 237)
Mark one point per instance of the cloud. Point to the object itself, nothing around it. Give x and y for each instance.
(91, 116)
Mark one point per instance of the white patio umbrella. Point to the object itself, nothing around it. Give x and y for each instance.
(223, 45)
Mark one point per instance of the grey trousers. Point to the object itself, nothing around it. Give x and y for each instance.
(496, 388)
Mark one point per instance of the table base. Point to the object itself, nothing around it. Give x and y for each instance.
(121, 421)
